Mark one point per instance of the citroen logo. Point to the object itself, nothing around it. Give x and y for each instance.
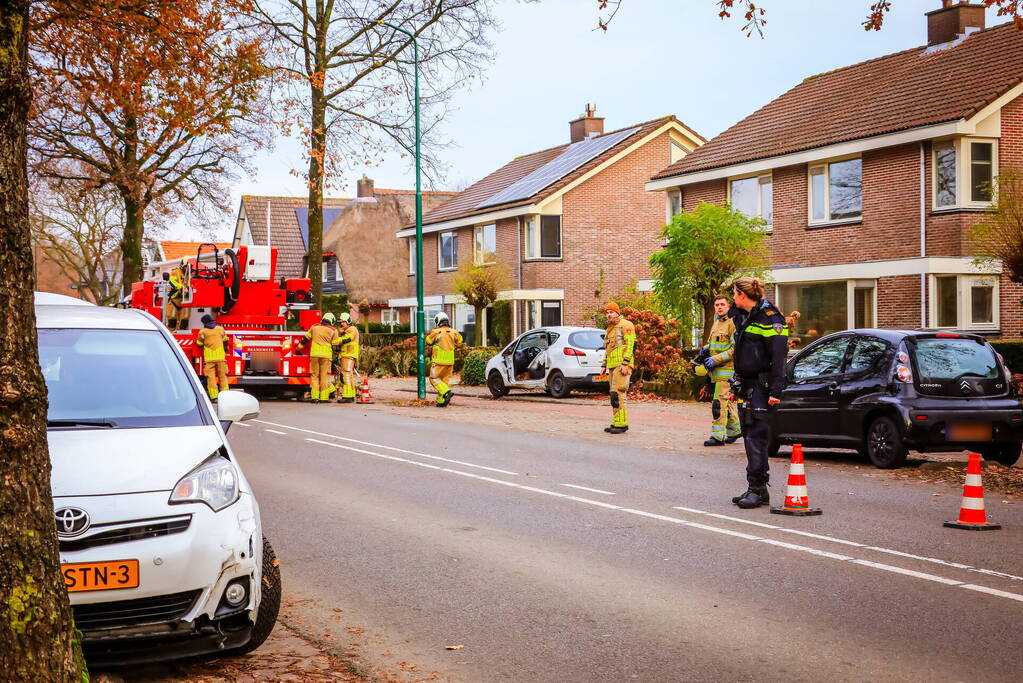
(71, 521)
(965, 387)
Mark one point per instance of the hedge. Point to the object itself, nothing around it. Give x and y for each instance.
(1012, 352)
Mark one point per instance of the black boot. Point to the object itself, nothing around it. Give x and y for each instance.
(736, 499)
(733, 439)
(754, 498)
(616, 430)
(713, 442)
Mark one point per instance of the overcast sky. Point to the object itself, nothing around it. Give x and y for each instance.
(658, 57)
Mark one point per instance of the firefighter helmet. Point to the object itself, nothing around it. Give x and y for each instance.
(345, 318)
(328, 318)
(441, 319)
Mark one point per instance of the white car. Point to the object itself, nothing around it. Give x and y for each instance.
(161, 545)
(557, 359)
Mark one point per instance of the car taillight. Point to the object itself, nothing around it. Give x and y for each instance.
(947, 336)
(904, 374)
(569, 351)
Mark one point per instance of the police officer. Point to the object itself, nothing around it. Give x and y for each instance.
(720, 343)
(349, 355)
(761, 342)
(443, 338)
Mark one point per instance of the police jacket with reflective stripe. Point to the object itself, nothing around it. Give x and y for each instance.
(761, 345)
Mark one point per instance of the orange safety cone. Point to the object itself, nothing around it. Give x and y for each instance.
(797, 502)
(364, 395)
(971, 512)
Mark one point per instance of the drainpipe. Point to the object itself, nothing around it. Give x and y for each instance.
(518, 257)
(923, 236)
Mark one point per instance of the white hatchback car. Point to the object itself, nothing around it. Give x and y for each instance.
(160, 538)
(557, 359)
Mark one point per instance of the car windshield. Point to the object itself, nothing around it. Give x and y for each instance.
(587, 339)
(115, 378)
(950, 359)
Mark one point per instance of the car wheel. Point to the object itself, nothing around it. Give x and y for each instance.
(558, 386)
(496, 385)
(884, 444)
(269, 601)
(1004, 455)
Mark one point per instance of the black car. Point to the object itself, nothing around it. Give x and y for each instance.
(886, 392)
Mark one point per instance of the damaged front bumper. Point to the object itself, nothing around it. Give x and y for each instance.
(179, 608)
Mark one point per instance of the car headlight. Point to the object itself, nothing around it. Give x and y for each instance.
(214, 482)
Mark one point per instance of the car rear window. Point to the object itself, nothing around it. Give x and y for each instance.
(940, 360)
(587, 339)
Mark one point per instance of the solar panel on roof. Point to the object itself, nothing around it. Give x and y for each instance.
(577, 154)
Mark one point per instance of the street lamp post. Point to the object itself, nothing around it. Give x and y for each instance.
(420, 313)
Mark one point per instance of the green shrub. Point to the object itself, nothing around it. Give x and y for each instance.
(676, 373)
(474, 368)
(1012, 352)
(382, 328)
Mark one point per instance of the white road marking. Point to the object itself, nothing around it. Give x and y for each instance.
(391, 448)
(832, 539)
(240, 424)
(696, 525)
(274, 431)
(586, 488)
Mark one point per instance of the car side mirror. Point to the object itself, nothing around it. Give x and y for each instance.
(236, 406)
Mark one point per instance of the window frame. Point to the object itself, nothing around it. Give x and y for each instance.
(441, 268)
(826, 165)
(851, 285)
(964, 301)
(847, 337)
(533, 243)
(761, 177)
(411, 255)
(670, 198)
(963, 146)
(477, 253)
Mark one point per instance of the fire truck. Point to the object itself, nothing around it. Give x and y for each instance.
(238, 287)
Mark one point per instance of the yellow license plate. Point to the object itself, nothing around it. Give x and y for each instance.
(601, 378)
(101, 576)
(969, 431)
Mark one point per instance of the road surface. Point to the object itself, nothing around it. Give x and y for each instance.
(543, 557)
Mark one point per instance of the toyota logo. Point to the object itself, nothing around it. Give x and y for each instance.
(965, 387)
(71, 521)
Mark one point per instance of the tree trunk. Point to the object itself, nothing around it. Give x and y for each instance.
(708, 319)
(131, 244)
(480, 331)
(36, 632)
(317, 155)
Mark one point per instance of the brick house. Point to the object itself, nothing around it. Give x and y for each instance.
(359, 257)
(870, 178)
(572, 224)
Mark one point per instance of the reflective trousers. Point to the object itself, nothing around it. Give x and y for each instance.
(347, 378)
(726, 424)
(319, 378)
(619, 388)
(756, 435)
(216, 377)
(439, 376)
(177, 317)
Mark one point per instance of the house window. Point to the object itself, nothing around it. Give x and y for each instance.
(411, 257)
(836, 191)
(753, 196)
(485, 244)
(945, 173)
(542, 236)
(551, 313)
(390, 317)
(826, 307)
(447, 250)
(964, 301)
(964, 171)
(674, 204)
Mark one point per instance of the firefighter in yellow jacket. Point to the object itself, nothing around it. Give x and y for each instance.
(213, 341)
(443, 338)
(721, 345)
(619, 359)
(323, 337)
(349, 356)
(174, 310)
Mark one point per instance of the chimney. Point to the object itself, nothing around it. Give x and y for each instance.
(586, 126)
(952, 21)
(364, 188)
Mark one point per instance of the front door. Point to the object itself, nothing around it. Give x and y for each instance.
(809, 403)
(866, 375)
(529, 360)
